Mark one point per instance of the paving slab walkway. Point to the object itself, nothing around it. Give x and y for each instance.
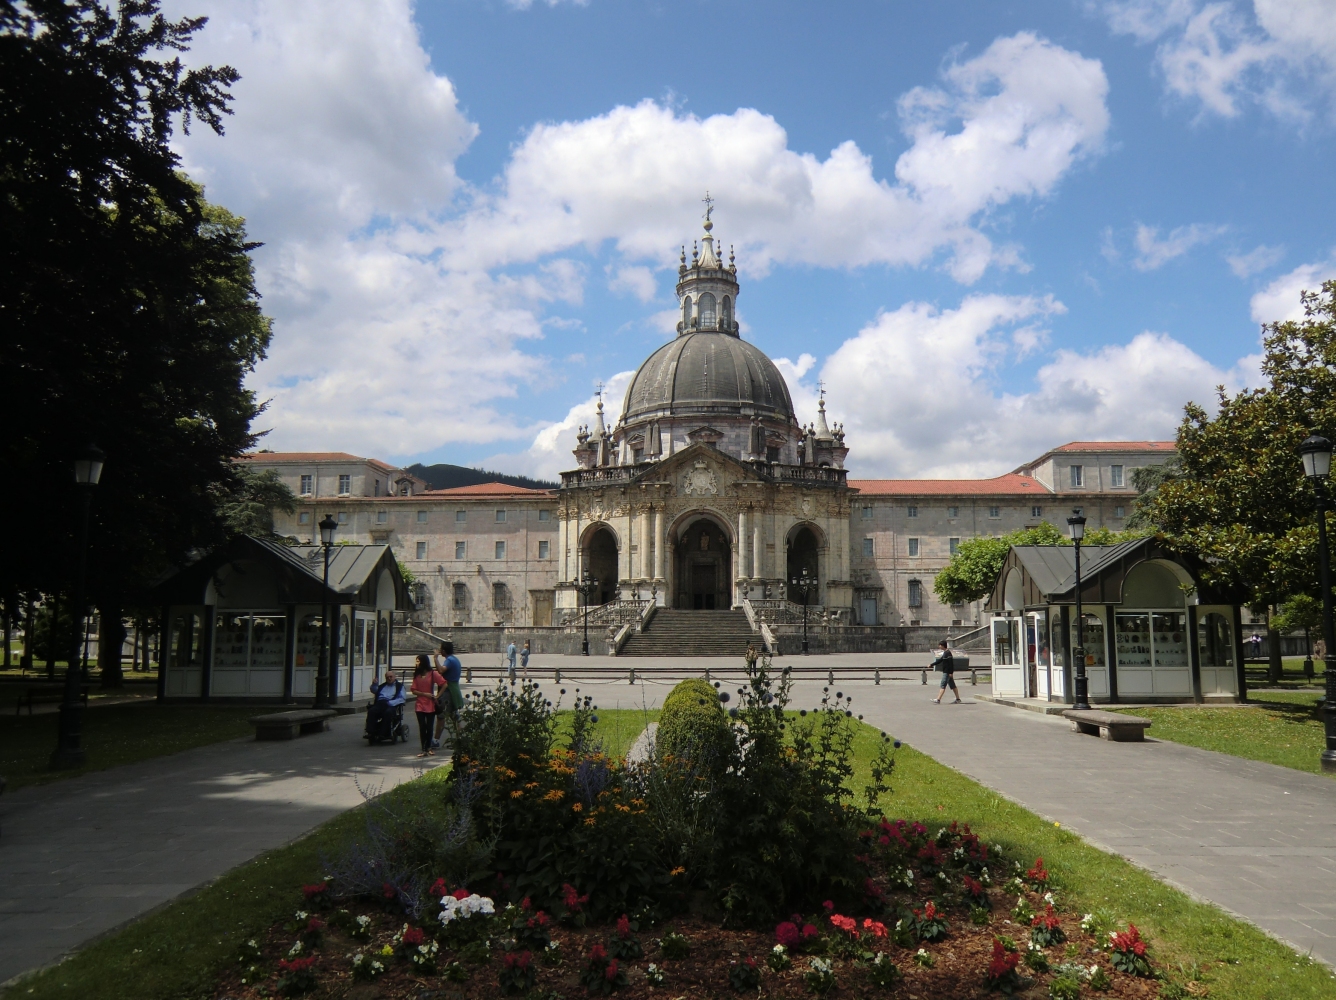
(83, 856)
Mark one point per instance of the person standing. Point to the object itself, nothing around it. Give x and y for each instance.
(524, 655)
(751, 657)
(451, 698)
(425, 682)
(945, 662)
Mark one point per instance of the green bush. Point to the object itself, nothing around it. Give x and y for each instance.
(692, 723)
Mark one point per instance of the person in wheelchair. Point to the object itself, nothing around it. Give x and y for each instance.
(385, 714)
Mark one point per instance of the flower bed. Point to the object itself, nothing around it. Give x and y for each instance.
(913, 934)
(735, 864)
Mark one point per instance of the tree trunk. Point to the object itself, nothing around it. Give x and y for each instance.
(1275, 665)
(110, 643)
(29, 630)
(53, 638)
(10, 601)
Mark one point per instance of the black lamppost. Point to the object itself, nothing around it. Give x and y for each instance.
(1078, 523)
(327, 528)
(1316, 454)
(586, 587)
(804, 584)
(69, 748)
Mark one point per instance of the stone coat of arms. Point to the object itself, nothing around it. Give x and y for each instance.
(700, 481)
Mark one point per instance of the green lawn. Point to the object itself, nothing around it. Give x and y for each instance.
(1284, 728)
(115, 734)
(172, 953)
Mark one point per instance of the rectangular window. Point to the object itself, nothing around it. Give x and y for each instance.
(953, 512)
(867, 548)
(1115, 475)
(304, 517)
(308, 483)
(1078, 476)
(377, 487)
(345, 485)
(1117, 512)
(500, 550)
(1036, 511)
(544, 515)
(544, 550)
(500, 597)
(500, 517)
(421, 550)
(994, 511)
(955, 545)
(343, 517)
(867, 513)
(461, 516)
(461, 550)
(911, 512)
(422, 517)
(461, 595)
(915, 594)
(382, 516)
(913, 546)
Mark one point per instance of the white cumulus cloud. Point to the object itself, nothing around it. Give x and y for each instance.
(922, 390)
(1279, 301)
(1255, 261)
(1154, 252)
(1224, 54)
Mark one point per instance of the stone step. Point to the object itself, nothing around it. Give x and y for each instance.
(674, 632)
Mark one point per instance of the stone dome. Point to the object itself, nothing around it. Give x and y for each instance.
(706, 373)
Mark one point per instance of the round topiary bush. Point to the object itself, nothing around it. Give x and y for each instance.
(692, 722)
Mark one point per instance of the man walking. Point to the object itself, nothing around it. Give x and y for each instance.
(945, 662)
(510, 660)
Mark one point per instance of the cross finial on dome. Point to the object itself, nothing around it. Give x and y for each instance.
(709, 207)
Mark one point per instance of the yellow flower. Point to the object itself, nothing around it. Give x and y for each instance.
(532, 784)
(678, 871)
(590, 821)
(556, 795)
(517, 794)
(577, 807)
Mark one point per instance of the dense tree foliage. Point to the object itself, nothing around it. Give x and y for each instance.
(128, 302)
(1240, 499)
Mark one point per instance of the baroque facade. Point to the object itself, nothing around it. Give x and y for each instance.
(705, 491)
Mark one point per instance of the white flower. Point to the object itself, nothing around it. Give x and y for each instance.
(921, 952)
(462, 909)
(301, 916)
(780, 950)
(363, 921)
(1049, 899)
(1088, 922)
(821, 966)
(295, 950)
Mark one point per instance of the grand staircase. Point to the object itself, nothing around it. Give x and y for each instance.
(693, 633)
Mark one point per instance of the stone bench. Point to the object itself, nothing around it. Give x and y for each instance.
(1108, 725)
(47, 694)
(290, 725)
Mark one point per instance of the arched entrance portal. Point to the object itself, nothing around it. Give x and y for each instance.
(703, 570)
(803, 554)
(601, 562)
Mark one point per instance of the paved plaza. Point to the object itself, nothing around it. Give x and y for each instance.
(85, 855)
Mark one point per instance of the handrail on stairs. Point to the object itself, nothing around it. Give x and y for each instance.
(964, 637)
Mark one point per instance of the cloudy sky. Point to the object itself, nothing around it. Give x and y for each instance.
(986, 228)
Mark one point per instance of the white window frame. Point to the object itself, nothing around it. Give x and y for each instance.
(1116, 478)
(911, 510)
(994, 513)
(1119, 512)
(1076, 476)
(952, 512)
(307, 485)
(1036, 511)
(345, 485)
(461, 550)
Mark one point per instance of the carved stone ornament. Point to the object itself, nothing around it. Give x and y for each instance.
(807, 506)
(700, 481)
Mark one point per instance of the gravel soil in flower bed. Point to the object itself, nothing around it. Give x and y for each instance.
(959, 963)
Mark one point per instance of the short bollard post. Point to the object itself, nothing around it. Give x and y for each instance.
(633, 675)
(556, 676)
(830, 678)
(707, 675)
(974, 676)
(923, 677)
(876, 677)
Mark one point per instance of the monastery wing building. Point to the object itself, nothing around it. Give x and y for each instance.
(707, 491)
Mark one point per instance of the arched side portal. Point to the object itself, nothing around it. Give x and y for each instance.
(601, 563)
(702, 565)
(804, 552)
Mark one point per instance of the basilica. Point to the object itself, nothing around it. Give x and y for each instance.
(706, 492)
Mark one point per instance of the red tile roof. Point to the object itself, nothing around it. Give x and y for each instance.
(1008, 485)
(314, 456)
(485, 490)
(1117, 446)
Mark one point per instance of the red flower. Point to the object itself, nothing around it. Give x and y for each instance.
(929, 911)
(461, 894)
(610, 973)
(875, 927)
(830, 907)
(438, 888)
(787, 934)
(524, 903)
(572, 898)
(296, 964)
(1037, 873)
(974, 887)
(597, 953)
(847, 924)
(751, 963)
(810, 932)
(388, 891)
(521, 960)
(413, 936)
(930, 853)
(312, 891)
(314, 924)
(1003, 961)
(623, 926)
(884, 840)
(1047, 919)
(1130, 940)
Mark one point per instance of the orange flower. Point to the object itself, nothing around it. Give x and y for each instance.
(556, 795)
(577, 807)
(678, 871)
(517, 794)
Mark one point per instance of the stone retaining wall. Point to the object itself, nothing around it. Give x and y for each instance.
(493, 639)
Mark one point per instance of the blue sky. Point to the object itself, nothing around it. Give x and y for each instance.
(987, 228)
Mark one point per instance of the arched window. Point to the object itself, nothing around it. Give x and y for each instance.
(726, 314)
(707, 317)
(686, 312)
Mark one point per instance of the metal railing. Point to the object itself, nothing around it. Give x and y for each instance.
(618, 613)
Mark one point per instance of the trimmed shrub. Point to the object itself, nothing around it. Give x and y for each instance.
(692, 723)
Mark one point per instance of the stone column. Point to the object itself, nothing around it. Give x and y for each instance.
(758, 545)
(646, 544)
(742, 562)
(660, 523)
